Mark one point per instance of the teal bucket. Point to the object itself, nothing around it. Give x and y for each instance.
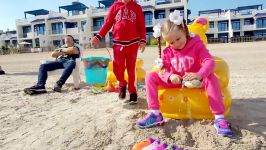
(96, 69)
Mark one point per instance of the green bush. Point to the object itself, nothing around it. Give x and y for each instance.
(5, 50)
(153, 41)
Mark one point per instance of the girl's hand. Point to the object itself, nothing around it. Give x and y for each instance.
(175, 79)
(142, 47)
(94, 41)
(191, 76)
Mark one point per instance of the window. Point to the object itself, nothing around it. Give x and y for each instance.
(83, 23)
(26, 29)
(37, 42)
(261, 23)
(39, 29)
(159, 14)
(222, 26)
(148, 18)
(97, 23)
(57, 28)
(211, 24)
(248, 21)
(236, 24)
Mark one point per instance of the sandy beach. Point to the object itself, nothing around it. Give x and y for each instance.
(85, 120)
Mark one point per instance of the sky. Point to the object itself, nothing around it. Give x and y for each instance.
(10, 10)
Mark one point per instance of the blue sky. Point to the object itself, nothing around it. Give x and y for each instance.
(11, 10)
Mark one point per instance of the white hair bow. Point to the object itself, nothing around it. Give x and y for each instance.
(176, 17)
(157, 30)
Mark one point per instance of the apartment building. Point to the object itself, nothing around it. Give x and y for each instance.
(8, 38)
(241, 21)
(46, 29)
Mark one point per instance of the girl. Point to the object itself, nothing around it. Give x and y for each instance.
(185, 59)
(129, 32)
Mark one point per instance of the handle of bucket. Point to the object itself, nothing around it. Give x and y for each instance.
(87, 46)
(109, 54)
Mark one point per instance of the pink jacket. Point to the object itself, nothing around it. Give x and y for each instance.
(194, 57)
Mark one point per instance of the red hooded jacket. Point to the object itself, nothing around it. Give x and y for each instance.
(127, 21)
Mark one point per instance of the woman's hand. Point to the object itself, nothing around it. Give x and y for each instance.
(175, 79)
(191, 76)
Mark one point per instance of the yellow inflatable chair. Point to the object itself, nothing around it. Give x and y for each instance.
(112, 81)
(184, 103)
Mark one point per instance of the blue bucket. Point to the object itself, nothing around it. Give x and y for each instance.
(96, 69)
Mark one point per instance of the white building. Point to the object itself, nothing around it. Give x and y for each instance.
(245, 21)
(48, 28)
(8, 38)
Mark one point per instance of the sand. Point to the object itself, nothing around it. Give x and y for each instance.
(85, 120)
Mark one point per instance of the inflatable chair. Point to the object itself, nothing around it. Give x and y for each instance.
(112, 81)
(185, 103)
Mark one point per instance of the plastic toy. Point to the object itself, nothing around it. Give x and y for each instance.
(95, 69)
(152, 144)
(200, 27)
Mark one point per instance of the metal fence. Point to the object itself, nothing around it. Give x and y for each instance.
(237, 39)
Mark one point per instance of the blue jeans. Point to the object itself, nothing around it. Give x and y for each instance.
(67, 65)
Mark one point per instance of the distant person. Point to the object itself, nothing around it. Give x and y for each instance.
(1, 71)
(126, 19)
(65, 59)
(185, 59)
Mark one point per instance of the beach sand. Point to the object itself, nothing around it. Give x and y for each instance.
(85, 120)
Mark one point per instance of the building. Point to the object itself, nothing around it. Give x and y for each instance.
(8, 38)
(46, 29)
(248, 21)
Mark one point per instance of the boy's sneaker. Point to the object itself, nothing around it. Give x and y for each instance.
(57, 88)
(223, 127)
(36, 89)
(150, 120)
(133, 99)
(122, 92)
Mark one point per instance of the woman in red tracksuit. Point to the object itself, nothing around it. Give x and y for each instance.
(129, 34)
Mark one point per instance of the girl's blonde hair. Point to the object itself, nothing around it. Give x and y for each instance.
(169, 27)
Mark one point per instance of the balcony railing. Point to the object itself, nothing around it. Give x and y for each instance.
(72, 31)
(26, 35)
(248, 27)
(57, 31)
(212, 30)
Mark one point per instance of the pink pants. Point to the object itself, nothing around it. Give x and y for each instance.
(125, 58)
(153, 81)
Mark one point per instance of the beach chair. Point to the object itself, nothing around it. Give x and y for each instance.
(75, 73)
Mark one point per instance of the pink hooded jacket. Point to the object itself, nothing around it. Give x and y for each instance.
(194, 57)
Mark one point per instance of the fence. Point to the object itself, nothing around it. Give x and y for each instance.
(237, 39)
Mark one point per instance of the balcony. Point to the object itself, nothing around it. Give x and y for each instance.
(72, 31)
(248, 27)
(39, 33)
(26, 35)
(161, 21)
(212, 30)
(56, 32)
